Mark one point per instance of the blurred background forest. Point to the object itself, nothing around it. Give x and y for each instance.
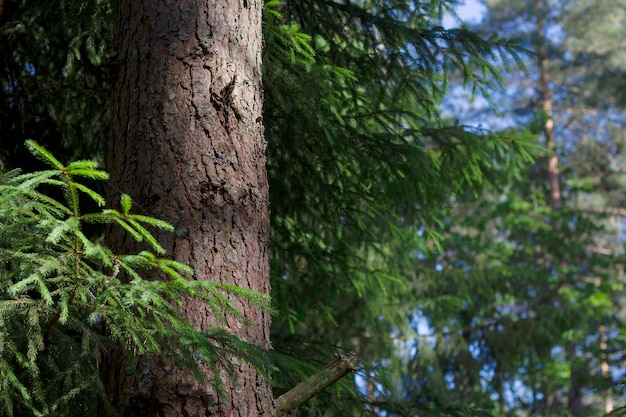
(447, 196)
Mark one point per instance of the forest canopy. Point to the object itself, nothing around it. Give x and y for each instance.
(445, 201)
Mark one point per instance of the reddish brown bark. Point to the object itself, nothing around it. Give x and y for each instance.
(577, 371)
(187, 145)
(545, 92)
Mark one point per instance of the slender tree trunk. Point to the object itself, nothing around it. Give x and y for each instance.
(604, 367)
(545, 93)
(187, 145)
(575, 391)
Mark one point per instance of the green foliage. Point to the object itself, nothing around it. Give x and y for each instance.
(367, 180)
(504, 300)
(356, 146)
(54, 78)
(361, 165)
(579, 251)
(293, 43)
(66, 299)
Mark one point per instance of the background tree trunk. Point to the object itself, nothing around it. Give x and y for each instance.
(188, 147)
(545, 94)
(577, 372)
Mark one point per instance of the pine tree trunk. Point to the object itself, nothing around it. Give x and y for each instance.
(575, 389)
(188, 147)
(545, 93)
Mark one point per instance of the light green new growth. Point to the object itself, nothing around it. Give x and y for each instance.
(65, 298)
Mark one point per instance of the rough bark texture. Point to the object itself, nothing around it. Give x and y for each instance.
(188, 147)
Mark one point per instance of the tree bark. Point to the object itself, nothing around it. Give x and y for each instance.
(577, 371)
(187, 146)
(545, 93)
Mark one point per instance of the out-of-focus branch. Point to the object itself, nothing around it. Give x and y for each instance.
(334, 371)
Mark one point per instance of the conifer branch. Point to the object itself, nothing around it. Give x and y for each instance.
(341, 366)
